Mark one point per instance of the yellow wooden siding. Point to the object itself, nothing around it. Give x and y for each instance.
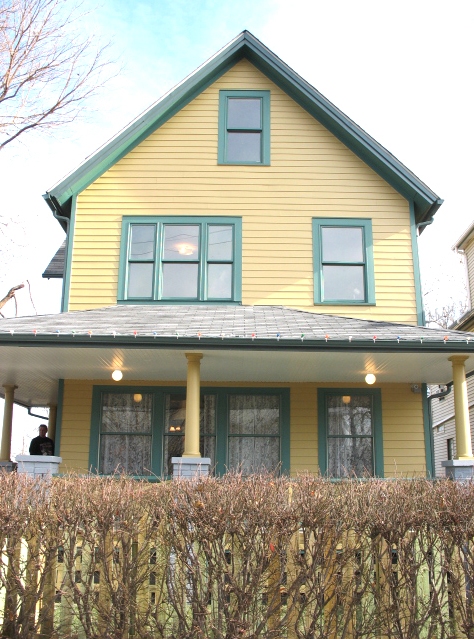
(312, 174)
(401, 415)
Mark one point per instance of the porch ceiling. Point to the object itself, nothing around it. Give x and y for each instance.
(36, 370)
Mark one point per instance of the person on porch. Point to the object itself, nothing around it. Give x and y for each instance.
(42, 445)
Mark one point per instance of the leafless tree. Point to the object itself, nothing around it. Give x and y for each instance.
(47, 66)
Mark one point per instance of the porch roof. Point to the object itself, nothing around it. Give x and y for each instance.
(243, 344)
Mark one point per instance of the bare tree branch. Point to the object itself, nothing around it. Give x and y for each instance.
(10, 294)
(47, 67)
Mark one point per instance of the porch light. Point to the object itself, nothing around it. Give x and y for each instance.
(117, 375)
(346, 399)
(137, 398)
(370, 378)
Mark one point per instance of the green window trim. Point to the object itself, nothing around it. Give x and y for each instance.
(157, 261)
(263, 128)
(376, 394)
(367, 261)
(158, 422)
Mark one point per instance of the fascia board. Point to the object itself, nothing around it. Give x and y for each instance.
(245, 45)
(247, 344)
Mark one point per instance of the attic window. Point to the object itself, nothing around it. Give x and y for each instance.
(244, 127)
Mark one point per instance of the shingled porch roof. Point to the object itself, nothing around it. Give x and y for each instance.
(240, 343)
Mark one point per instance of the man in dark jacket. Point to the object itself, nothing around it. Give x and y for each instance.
(42, 445)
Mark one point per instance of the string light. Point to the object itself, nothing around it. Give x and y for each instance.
(370, 379)
(117, 375)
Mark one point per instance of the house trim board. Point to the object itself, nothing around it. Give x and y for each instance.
(428, 433)
(222, 393)
(426, 202)
(420, 313)
(376, 393)
(59, 417)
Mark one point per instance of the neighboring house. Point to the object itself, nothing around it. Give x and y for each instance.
(246, 257)
(444, 431)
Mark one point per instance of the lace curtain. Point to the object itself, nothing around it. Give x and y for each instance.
(125, 434)
(350, 435)
(254, 433)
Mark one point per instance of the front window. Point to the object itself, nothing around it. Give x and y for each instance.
(180, 259)
(138, 430)
(244, 127)
(343, 261)
(125, 433)
(254, 433)
(175, 426)
(350, 432)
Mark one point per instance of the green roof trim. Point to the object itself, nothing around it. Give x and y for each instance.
(245, 45)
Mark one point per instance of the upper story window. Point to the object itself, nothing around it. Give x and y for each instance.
(244, 127)
(343, 261)
(180, 259)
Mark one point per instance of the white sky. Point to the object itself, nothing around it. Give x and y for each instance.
(403, 70)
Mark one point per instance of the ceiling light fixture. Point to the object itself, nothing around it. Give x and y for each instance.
(370, 378)
(117, 375)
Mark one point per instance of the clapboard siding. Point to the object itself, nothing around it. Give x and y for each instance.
(312, 174)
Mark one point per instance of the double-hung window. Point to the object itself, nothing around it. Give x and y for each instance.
(350, 432)
(180, 259)
(244, 127)
(343, 261)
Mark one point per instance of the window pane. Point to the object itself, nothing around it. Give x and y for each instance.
(254, 454)
(129, 454)
(175, 422)
(140, 279)
(219, 281)
(126, 412)
(244, 113)
(220, 243)
(343, 283)
(351, 456)
(344, 244)
(180, 280)
(349, 415)
(142, 241)
(244, 147)
(174, 447)
(254, 414)
(181, 243)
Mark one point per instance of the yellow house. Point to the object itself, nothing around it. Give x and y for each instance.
(243, 259)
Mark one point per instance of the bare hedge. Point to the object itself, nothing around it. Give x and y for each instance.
(236, 557)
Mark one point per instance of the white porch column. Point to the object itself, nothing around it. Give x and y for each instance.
(53, 411)
(193, 391)
(461, 408)
(5, 450)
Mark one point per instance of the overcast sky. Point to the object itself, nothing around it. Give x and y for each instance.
(403, 70)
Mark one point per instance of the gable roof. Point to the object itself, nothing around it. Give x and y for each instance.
(245, 45)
